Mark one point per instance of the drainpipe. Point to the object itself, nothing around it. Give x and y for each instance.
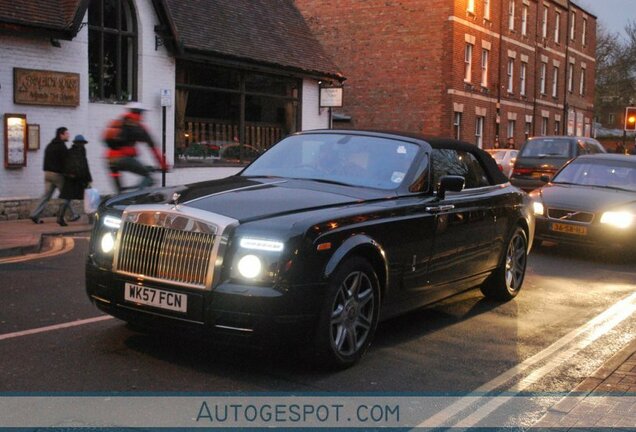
(566, 83)
(498, 111)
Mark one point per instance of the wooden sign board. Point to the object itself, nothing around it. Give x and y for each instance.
(41, 87)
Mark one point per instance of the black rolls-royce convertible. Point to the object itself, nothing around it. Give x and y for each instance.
(320, 238)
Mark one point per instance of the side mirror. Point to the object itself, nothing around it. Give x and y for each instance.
(545, 178)
(450, 183)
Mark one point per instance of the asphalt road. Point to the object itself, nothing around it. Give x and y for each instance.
(547, 336)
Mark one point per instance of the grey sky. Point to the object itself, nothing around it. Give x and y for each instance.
(612, 14)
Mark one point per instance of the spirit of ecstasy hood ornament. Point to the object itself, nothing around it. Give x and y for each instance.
(175, 199)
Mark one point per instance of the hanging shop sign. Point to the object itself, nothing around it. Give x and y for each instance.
(42, 87)
(331, 97)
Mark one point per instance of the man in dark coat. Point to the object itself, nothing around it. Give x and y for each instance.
(54, 157)
(77, 177)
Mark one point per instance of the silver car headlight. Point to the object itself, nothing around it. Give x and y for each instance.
(104, 239)
(618, 219)
(257, 259)
(538, 208)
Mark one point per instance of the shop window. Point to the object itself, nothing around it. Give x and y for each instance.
(112, 50)
(229, 117)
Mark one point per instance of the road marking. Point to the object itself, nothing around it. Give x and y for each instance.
(60, 245)
(556, 354)
(55, 327)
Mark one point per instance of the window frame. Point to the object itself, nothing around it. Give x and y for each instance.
(468, 62)
(511, 15)
(479, 131)
(555, 81)
(120, 34)
(523, 78)
(544, 22)
(485, 60)
(511, 73)
(524, 20)
(543, 77)
(557, 28)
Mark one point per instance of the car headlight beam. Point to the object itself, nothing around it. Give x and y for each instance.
(619, 219)
(250, 266)
(108, 243)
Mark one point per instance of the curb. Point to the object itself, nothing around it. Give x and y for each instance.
(43, 243)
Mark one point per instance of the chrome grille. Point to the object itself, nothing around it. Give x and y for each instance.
(570, 215)
(165, 254)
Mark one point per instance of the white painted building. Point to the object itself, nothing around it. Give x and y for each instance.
(37, 36)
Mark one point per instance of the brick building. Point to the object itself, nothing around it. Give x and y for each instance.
(479, 70)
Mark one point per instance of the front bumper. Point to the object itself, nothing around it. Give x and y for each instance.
(241, 313)
(596, 235)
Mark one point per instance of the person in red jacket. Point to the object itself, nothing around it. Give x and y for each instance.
(121, 137)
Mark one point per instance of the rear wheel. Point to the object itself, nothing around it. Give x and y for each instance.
(506, 281)
(349, 315)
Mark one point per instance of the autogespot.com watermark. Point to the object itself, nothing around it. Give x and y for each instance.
(306, 410)
(310, 414)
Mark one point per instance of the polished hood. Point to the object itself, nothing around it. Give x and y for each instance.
(245, 199)
(588, 198)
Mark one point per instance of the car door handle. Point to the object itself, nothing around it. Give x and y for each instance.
(441, 208)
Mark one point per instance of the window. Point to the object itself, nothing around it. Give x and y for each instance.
(485, 54)
(487, 9)
(542, 77)
(528, 130)
(468, 60)
(511, 128)
(112, 51)
(524, 20)
(570, 77)
(555, 82)
(511, 15)
(584, 31)
(457, 125)
(612, 119)
(572, 26)
(522, 75)
(557, 28)
(479, 132)
(544, 126)
(582, 83)
(557, 127)
(544, 22)
(461, 163)
(470, 6)
(511, 69)
(230, 116)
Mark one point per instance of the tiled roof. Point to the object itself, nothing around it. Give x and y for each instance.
(57, 15)
(265, 31)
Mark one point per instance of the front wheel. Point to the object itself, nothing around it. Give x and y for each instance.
(349, 315)
(506, 281)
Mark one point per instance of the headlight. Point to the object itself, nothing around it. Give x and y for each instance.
(538, 208)
(621, 219)
(108, 243)
(112, 222)
(250, 266)
(257, 259)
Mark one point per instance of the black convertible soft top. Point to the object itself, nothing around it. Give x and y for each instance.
(492, 170)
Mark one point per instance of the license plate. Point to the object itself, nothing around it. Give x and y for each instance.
(156, 297)
(569, 229)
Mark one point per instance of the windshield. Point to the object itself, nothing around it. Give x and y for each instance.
(604, 173)
(354, 160)
(544, 147)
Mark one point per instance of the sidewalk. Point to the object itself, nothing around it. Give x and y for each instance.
(20, 237)
(600, 400)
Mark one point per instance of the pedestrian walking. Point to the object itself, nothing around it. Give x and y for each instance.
(121, 136)
(511, 143)
(77, 177)
(54, 157)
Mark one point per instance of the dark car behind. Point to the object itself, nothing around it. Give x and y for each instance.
(544, 156)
